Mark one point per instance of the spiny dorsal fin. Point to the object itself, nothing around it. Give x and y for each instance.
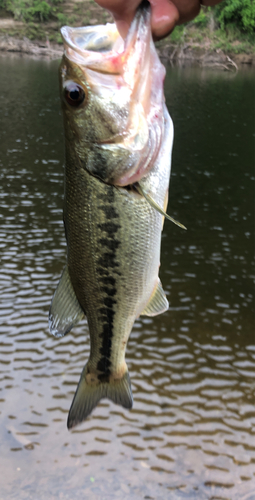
(65, 310)
(158, 302)
(156, 206)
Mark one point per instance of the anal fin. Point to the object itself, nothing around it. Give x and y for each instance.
(65, 310)
(158, 302)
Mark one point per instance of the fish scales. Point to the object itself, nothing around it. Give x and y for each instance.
(118, 138)
(108, 248)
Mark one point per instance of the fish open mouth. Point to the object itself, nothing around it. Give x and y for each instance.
(115, 67)
(93, 46)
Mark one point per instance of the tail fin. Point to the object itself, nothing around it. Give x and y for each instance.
(88, 396)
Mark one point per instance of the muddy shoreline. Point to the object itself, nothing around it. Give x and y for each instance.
(184, 54)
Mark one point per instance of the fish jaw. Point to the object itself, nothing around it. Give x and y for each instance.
(118, 131)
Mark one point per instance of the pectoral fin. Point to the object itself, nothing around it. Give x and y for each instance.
(156, 206)
(158, 302)
(65, 310)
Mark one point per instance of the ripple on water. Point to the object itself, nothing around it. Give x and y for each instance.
(191, 431)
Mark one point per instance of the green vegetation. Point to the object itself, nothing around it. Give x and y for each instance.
(238, 13)
(31, 10)
(229, 26)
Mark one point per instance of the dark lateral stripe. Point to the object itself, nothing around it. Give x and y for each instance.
(109, 211)
(108, 280)
(109, 243)
(109, 227)
(106, 267)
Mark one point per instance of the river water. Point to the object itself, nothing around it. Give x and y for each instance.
(191, 432)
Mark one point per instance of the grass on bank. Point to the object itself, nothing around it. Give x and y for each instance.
(229, 26)
(206, 30)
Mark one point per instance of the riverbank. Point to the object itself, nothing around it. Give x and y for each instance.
(169, 53)
(187, 53)
(205, 44)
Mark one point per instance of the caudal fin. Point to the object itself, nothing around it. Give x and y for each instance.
(88, 396)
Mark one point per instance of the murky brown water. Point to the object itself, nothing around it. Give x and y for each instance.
(191, 433)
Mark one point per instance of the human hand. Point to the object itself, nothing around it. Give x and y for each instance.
(165, 14)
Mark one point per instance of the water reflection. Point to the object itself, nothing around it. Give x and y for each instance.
(191, 431)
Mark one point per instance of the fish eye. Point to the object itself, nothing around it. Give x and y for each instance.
(74, 94)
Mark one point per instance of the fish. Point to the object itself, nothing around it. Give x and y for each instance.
(118, 144)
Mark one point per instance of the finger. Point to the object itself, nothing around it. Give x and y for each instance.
(123, 12)
(164, 17)
(166, 14)
(188, 9)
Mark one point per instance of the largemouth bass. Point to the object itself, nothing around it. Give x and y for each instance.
(118, 138)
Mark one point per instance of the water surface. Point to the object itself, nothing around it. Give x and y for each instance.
(191, 432)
